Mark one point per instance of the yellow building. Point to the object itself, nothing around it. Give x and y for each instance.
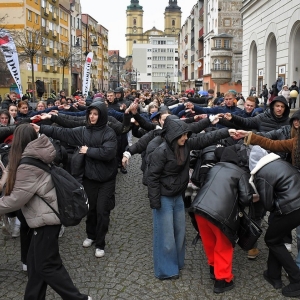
(48, 21)
(134, 31)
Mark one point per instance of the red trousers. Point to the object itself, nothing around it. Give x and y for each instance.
(217, 247)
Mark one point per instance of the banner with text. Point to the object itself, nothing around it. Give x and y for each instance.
(86, 80)
(9, 51)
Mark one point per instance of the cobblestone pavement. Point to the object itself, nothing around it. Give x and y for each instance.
(126, 270)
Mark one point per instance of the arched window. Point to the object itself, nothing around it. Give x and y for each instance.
(134, 22)
(217, 64)
(173, 22)
(226, 65)
(134, 41)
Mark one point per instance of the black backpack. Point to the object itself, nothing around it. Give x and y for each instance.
(71, 197)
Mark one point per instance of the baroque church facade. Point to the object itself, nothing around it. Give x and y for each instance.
(135, 33)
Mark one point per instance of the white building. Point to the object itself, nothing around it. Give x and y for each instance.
(271, 42)
(156, 63)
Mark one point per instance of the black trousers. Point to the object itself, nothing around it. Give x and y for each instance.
(279, 256)
(45, 267)
(101, 197)
(25, 237)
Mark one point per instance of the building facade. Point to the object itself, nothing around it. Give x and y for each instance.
(271, 43)
(210, 45)
(63, 34)
(156, 64)
(135, 33)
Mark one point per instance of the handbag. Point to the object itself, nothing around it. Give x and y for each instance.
(78, 162)
(248, 232)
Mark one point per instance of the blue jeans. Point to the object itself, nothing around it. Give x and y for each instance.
(169, 237)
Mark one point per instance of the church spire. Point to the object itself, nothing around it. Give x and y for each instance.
(173, 6)
(134, 4)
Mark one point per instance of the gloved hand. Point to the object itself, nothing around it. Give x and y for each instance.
(4, 175)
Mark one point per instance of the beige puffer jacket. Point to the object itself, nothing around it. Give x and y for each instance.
(32, 182)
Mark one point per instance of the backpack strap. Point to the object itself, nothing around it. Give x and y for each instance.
(35, 162)
(39, 164)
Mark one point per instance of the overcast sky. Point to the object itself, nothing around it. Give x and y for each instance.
(112, 15)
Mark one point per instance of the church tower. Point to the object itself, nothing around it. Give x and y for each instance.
(134, 30)
(172, 19)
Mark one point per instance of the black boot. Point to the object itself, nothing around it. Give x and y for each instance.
(222, 286)
(291, 290)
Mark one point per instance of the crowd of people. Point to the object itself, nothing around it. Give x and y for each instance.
(168, 128)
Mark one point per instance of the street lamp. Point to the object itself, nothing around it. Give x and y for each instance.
(137, 73)
(168, 76)
(117, 63)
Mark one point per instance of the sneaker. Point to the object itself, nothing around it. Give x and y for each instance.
(15, 231)
(276, 283)
(291, 290)
(253, 253)
(174, 277)
(288, 247)
(62, 231)
(90, 298)
(24, 267)
(87, 242)
(123, 170)
(222, 286)
(99, 252)
(212, 273)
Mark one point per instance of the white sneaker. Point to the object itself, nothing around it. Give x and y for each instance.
(62, 231)
(15, 231)
(24, 267)
(99, 252)
(90, 298)
(288, 247)
(87, 242)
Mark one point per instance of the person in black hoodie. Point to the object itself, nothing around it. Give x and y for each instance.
(167, 179)
(216, 209)
(99, 145)
(273, 118)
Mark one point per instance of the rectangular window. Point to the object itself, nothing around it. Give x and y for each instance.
(149, 50)
(226, 44)
(29, 15)
(44, 61)
(148, 74)
(43, 22)
(50, 26)
(218, 44)
(50, 8)
(36, 19)
(37, 59)
(51, 44)
(149, 66)
(149, 58)
(43, 3)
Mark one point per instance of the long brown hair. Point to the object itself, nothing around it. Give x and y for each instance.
(23, 135)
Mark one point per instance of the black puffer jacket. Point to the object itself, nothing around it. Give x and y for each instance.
(74, 121)
(165, 176)
(226, 188)
(266, 121)
(277, 183)
(100, 161)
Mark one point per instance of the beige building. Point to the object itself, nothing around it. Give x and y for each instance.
(135, 33)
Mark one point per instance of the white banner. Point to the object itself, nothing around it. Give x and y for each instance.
(9, 51)
(86, 80)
